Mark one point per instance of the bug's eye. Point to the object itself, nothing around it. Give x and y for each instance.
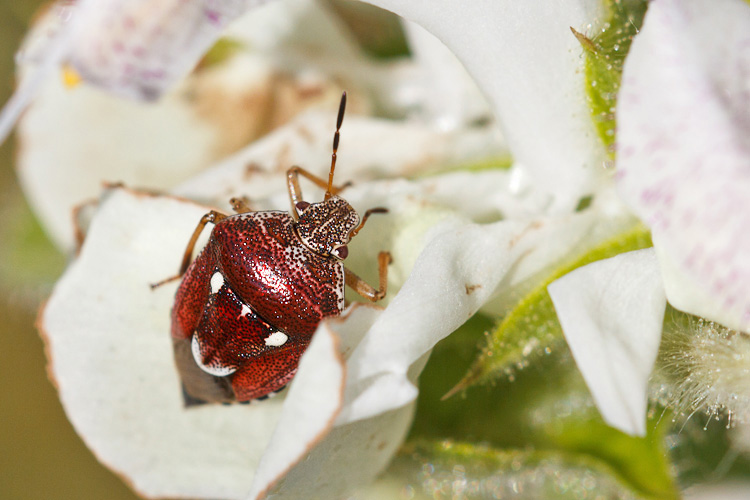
(341, 252)
(302, 206)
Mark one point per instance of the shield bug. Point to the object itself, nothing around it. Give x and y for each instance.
(248, 305)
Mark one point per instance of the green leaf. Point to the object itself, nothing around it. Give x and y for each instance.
(222, 50)
(28, 261)
(546, 407)
(605, 52)
(504, 162)
(531, 329)
(378, 32)
(642, 462)
(449, 469)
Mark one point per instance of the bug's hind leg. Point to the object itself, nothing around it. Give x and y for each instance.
(212, 217)
(241, 205)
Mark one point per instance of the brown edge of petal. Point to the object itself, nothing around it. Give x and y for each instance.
(329, 425)
(39, 321)
(147, 193)
(40, 12)
(79, 232)
(40, 326)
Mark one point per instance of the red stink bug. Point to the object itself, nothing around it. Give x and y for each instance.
(249, 304)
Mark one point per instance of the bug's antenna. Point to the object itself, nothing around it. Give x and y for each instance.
(339, 121)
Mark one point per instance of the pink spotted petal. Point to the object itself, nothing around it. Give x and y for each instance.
(684, 152)
(134, 48)
(140, 48)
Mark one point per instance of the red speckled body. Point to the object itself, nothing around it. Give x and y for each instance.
(285, 287)
(249, 304)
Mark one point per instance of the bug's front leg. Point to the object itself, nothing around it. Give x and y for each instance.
(295, 192)
(365, 289)
(212, 217)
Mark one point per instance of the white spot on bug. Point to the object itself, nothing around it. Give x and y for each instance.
(339, 286)
(245, 311)
(276, 339)
(267, 396)
(217, 281)
(212, 369)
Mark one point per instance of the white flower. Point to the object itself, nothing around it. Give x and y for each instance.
(680, 166)
(683, 167)
(107, 334)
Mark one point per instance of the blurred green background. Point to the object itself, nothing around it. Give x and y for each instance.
(42, 456)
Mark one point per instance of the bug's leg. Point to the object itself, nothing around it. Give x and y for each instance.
(212, 217)
(240, 205)
(365, 289)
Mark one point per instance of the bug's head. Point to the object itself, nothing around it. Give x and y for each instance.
(326, 227)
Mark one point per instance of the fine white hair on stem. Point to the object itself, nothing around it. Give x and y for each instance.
(703, 367)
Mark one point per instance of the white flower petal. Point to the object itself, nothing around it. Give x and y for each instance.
(309, 410)
(135, 48)
(460, 268)
(611, 312)
(72, 140)
(525, 59)
(305, 37)
(683, 157)
(139, 48)
(369, 148)
(111, 357)
(450, 97)
(733, 489)
(415, 206)
(48, 49)
(351, 454)
(684, 294)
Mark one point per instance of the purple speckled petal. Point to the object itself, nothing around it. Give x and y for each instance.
(684, 154)
(139, 48)
(133, 48)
